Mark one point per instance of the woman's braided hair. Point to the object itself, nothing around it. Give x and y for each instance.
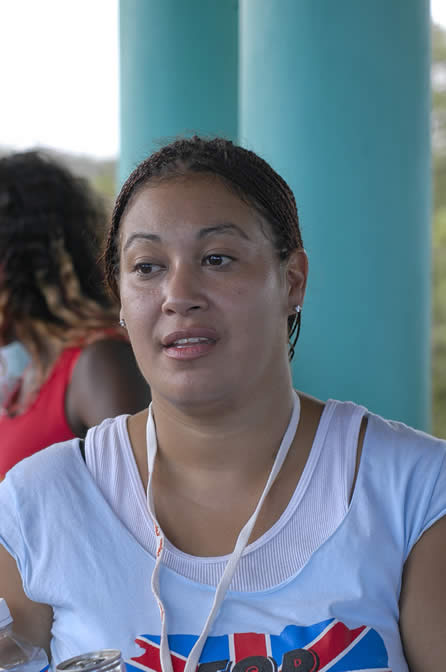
(252, 179)
(52, 287)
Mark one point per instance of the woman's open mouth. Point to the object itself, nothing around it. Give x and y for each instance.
(187, 345)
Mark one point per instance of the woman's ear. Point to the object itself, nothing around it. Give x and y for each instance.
(296, 278)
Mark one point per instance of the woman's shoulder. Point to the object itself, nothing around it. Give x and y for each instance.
(390, 436)
(403, 472)
(42, 469)
(108, 434)
(402, 440)
(390, 454)
(35, 487)
(61, 461)
(57, 473)
(45, 460)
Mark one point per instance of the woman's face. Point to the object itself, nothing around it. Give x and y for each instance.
(203, 293)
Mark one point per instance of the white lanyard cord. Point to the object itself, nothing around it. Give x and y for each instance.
(240, 545)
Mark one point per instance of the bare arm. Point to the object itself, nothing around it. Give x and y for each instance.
(423, 602)
(31, 620)
(106, 382)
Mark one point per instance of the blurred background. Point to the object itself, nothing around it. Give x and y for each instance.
(439, 217)
(60, 92)
(59, 74)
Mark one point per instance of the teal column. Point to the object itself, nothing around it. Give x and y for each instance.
(336, 95)
(178, 73)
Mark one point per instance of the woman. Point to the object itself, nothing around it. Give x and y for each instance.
(54, 310)
(340, 565)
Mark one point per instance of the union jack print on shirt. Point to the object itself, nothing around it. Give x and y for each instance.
(328, 645)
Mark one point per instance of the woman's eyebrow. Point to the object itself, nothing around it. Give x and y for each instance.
(144, 236)
(225, 227)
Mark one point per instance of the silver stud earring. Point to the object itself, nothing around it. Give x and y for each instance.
(122, 324)
(298, 309)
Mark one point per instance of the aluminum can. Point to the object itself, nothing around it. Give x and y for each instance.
(104, 660)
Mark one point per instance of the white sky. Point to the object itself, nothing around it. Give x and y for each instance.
(438, 12)
(59, 74)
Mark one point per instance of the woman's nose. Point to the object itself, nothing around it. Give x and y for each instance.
(184, 291)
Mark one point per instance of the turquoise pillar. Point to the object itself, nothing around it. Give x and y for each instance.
(336, 95)
(178, 73)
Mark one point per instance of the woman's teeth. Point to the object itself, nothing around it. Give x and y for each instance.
(188, 341)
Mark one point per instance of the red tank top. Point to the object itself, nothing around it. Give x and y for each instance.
(44, 422)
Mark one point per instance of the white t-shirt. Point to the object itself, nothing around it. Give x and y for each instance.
(338, 612)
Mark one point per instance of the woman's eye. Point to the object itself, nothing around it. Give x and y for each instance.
(217, 260)
(145, 268)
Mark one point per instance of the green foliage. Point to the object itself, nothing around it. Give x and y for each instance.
(439, 230)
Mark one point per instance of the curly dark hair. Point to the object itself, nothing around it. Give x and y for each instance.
(51, 283)
(249, 176)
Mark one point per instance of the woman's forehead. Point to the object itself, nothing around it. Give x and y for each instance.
(191, 187)
(200, 200)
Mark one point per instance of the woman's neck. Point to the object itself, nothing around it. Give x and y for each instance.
(229, 446)
(228, 436)
(210, 471)
(208, 477)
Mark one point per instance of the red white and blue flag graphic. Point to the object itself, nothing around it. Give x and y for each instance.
(328, 645)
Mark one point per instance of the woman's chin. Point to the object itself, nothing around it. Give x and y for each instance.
(192, 398)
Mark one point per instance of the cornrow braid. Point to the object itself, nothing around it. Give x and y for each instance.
(252, 179)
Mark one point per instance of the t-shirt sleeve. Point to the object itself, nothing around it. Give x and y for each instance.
(406, 469)
(436, 506)
(11, 536)
(31, 495)
(427, 486)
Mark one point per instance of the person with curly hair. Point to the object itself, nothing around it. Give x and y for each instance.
(236, 524)
(54, 303)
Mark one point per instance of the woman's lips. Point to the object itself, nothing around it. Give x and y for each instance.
(190, 332)
(189, 343)
(189, 348)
